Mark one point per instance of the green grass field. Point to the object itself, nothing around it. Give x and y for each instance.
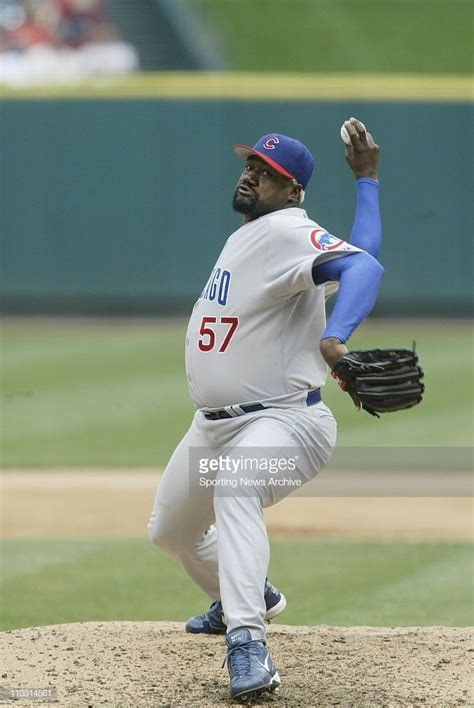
(329, 582)
(96, 393)
(421, 36)
(114, 394)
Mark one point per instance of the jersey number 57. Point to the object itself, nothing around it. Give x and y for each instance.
(208, 335)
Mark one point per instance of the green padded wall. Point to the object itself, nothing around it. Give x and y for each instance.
(124, 204)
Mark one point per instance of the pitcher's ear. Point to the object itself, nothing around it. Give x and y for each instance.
(297, 193)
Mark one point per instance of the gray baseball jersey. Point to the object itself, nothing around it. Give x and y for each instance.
(254, 332)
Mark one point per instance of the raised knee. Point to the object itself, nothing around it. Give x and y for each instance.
(160, 536)
(169, 538)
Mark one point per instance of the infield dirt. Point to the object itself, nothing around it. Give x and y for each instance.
(157, 664)
(92, 503)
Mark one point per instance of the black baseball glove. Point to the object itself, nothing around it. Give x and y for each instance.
(383, 380)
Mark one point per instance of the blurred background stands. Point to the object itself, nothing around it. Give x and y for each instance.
(62, 41)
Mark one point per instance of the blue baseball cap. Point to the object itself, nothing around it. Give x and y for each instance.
(286, 155)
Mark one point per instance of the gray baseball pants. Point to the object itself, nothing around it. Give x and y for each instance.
(229, 561)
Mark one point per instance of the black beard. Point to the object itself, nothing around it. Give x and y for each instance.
(245, 205)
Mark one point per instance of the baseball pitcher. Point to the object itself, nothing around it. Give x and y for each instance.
(257, 352)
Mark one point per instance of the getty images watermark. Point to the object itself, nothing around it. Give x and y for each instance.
(244, 470)
(248, 471)
(350, 472)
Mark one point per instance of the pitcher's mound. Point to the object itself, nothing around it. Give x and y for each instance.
(157, 664)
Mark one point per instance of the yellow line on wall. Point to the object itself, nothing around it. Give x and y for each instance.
(257, 86)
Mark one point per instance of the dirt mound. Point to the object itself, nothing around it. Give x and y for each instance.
(157, 664)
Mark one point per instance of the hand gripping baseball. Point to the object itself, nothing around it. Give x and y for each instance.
(362, 153)
(383, 380)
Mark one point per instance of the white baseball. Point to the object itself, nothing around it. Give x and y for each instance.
(345, 137)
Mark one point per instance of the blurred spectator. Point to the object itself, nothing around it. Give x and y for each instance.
(43, 41)
(28, 33)
(79, 19)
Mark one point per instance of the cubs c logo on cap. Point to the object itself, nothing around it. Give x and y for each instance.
(285, 155)
(270, 143)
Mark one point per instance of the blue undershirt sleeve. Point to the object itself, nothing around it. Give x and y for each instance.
(366, 230)
(359, 276)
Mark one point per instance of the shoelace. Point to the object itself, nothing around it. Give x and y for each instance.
(240, 660)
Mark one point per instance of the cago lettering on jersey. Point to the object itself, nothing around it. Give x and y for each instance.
(217, 287)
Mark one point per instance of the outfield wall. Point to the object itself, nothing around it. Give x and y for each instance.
(122, 205)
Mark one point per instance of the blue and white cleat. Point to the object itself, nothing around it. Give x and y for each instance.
(212, 621)
(275, 601)
(249, 665)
